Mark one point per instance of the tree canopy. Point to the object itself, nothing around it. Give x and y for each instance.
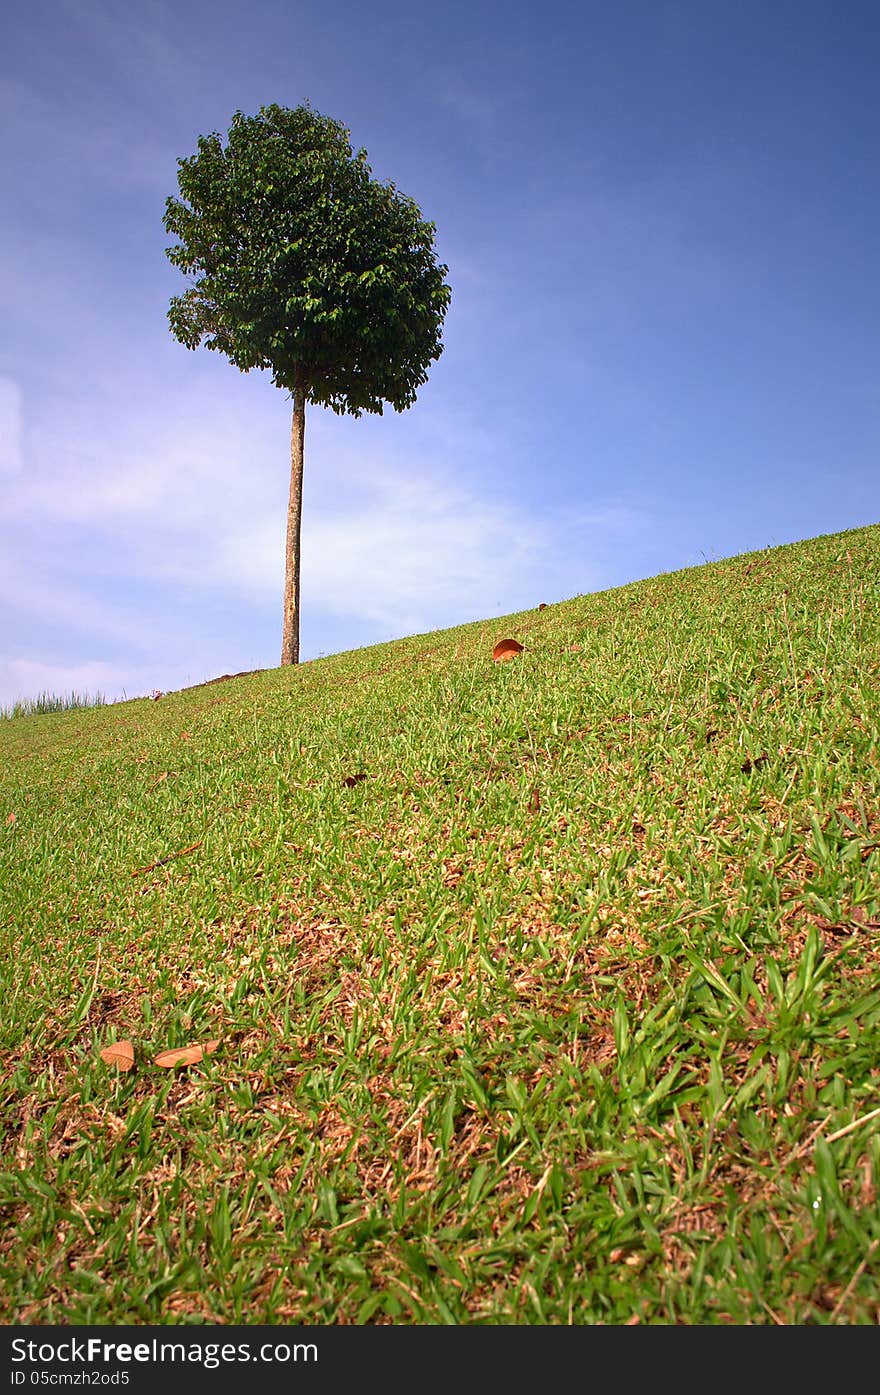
(303, 264)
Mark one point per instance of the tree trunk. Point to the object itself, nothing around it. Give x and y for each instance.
(290, 633)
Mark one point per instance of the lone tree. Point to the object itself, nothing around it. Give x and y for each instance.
(302, 263)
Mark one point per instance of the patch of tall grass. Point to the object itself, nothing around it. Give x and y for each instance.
(51, 702)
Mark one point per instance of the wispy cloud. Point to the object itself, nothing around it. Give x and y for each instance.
(481, 113)
(86, 142)
(10, 427)
(44, 587)
(428, 552)
(399, 534)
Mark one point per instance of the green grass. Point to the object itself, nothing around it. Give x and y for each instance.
(51, 702)
(567, 1012)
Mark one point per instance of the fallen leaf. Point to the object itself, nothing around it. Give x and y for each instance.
(185, 1055)
(711, 734)
(10, 818)
(351, 780)
(535, 800)
(749, 765)
(858, 920)
(543, 605)
(506, 649)
(120, 1054)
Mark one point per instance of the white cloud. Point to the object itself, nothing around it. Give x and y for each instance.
(424, 552)
(45, 587)
(100, 460)
(395, 536)
(10, 427)
(421, 551)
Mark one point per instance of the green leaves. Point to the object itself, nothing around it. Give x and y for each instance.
(304, 264)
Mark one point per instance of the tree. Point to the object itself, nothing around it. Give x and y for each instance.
(303, 264)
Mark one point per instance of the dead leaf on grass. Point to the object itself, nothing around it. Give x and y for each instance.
(10, 818)
(351, 780)
(185, 1055)
(535, 800)
(506, 649)
(749, 765)
(858, 920)
(119, 1054)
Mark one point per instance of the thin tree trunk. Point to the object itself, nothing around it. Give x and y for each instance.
(290, 633)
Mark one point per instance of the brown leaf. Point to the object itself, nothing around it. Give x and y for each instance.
(543, 605)
(185, 1055)
(711, 734)
(749, 765)
(506, 649)
(351, 780)
(120, 1054)
(10, 818)
(859, 916)
(858, 919)
(535, 800)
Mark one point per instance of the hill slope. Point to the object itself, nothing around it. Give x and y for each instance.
(546, 990)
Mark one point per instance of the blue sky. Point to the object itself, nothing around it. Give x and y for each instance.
(661, 222)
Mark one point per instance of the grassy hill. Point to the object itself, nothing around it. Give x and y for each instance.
(546, 991)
